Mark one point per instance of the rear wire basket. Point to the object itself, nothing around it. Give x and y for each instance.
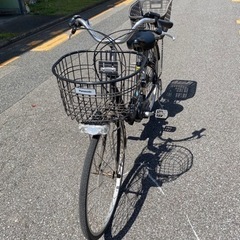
(140, 7)
(179, 90)
(97, 86)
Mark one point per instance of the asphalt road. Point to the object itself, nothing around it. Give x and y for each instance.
(42, 150)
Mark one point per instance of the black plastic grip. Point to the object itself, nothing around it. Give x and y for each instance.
(165, 23)
(160, 23)
(73, 23)
(151, 15)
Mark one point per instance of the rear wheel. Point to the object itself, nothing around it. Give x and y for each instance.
(101, 180)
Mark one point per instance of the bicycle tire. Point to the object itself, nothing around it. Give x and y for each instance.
(101, 180)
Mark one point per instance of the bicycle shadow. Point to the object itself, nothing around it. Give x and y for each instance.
(159, 164)
(155, 165)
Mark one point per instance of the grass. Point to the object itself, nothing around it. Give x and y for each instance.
(6, 35)
(60, 7)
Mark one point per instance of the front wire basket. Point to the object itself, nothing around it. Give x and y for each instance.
(140, 7)
(97, 86)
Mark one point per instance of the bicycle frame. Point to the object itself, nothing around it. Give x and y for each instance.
(101, 89)
(144, 98)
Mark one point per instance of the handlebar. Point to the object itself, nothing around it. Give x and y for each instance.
(77, 22)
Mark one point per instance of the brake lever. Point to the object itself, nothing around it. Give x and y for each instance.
(75, 25)
(168, 35)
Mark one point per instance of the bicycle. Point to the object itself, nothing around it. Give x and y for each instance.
(104, 88)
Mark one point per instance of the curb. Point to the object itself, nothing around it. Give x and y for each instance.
(52, 23)
(31, 32)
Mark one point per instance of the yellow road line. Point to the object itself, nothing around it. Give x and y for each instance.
(63, 37)
(238, 21)
(101, 14)
(35, 43)
(52, 43)
(236, 1)
(8, 61)
(127, 2)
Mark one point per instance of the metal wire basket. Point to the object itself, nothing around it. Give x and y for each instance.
(97, 86)
(179, 90)
(140, 7)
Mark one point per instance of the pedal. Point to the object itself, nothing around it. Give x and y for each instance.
(147, 114)
(161, 113)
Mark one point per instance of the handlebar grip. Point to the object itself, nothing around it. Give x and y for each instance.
(159, 23)
(151, 15)
(165, 23)
(73, 23)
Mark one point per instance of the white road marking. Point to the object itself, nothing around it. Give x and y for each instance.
(155, 182)
(192, 228)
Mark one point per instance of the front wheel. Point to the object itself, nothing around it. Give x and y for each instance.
(101, 180)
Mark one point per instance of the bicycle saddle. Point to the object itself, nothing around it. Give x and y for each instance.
(142, 39)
